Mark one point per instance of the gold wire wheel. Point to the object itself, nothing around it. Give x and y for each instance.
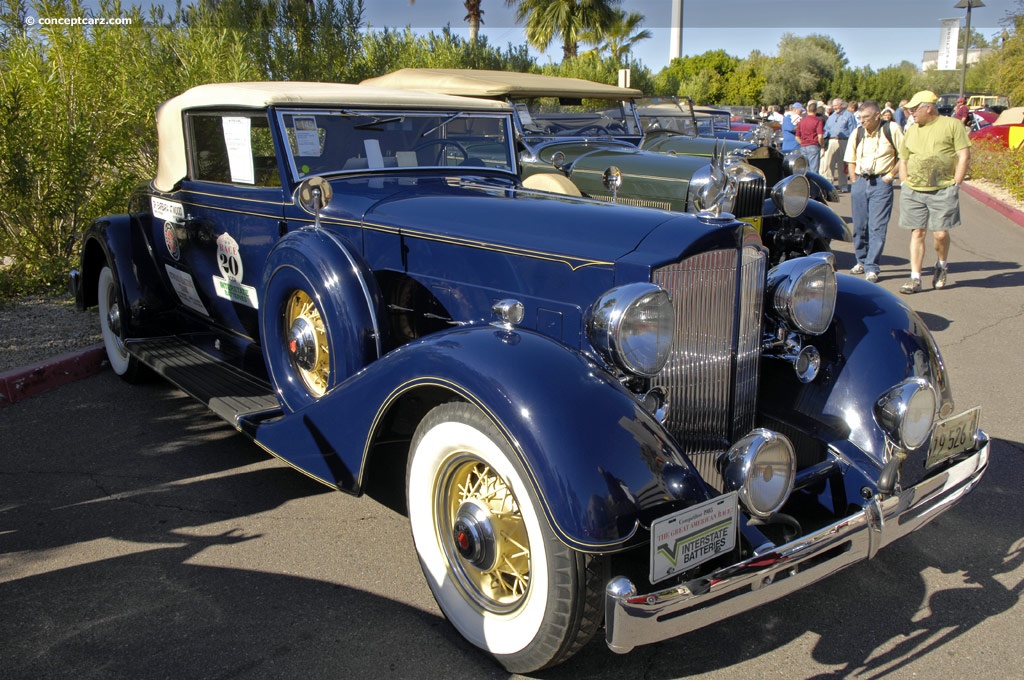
(307, 342)
(483, 534)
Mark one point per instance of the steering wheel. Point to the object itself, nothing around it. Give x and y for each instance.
(442, 143)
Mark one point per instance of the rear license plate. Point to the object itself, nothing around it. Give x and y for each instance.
(692, 536)
(953, 435)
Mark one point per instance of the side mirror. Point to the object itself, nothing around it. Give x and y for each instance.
(314, 195)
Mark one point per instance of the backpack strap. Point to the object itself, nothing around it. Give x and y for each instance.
(885, 130)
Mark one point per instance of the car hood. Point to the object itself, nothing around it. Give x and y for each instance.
(478, 213)
(691, 146)
(648, 179)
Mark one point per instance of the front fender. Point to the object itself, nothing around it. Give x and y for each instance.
(821, 188)
(593, 454)
(823, 222)
(875, 342)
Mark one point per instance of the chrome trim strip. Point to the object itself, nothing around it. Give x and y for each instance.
(632, 620)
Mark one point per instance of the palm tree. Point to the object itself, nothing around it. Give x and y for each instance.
(619, 37)
(473, 16)
(546, 19)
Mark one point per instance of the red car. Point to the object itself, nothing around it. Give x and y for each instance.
(1007, 130)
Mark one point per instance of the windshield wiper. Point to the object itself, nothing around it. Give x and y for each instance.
(373, 124)
(443, 123)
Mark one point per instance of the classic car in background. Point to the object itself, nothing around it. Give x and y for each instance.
(1006, 130)
(717, 123)
(669, 124)
(599, 414)
(582, 137)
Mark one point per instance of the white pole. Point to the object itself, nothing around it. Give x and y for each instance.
(675, 48)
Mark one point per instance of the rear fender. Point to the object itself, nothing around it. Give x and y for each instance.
(594, 455)
(116, 241)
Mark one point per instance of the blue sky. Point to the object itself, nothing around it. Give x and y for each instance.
(737, 26)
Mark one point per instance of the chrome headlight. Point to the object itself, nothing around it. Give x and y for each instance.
(907, 413)
(796, 163)
(631, 327)
(761, 468)
(802, 291)
(791, 194)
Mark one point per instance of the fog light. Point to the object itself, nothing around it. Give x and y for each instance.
(761, 468)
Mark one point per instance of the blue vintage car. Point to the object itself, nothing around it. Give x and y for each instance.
(574, 134)
(600, 415)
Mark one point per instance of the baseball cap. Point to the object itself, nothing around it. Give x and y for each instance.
(797, 105)
(922, 97)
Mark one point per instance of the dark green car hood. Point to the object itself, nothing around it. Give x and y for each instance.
(648, 178)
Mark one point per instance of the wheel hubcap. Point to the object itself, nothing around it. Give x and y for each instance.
(484, 536)
(114, 319)
(306, 341)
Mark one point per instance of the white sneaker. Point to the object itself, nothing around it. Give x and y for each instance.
(872, 277)
(857, 269)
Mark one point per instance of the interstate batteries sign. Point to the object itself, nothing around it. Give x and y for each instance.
(692, 536)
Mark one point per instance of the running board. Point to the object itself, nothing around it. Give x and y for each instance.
(231, 393)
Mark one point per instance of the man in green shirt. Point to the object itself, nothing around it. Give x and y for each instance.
(933, 161)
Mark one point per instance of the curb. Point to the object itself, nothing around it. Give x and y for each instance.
(28, 381)
(1001, 207)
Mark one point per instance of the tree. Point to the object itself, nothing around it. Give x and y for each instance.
(806, 69)
(546, 19)
(619, 37)
(1011, 57)
(474, 15)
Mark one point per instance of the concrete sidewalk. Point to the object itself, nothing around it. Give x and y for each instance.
(27, 381)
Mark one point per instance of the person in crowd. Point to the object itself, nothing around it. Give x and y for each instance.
(809, 134)
(763, 113)
(901, 114)
(960, 112)
(793, 116)
(933, 162)
(774, 114)
(872, 162)
(838, 128)
(887, 116)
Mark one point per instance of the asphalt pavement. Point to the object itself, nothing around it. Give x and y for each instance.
(141, 537)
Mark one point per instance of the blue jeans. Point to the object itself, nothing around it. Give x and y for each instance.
(871, 204)
(812, 152)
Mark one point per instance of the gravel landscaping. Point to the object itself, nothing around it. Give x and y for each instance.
(37, 328)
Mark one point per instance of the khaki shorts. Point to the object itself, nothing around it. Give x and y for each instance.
(932, 210)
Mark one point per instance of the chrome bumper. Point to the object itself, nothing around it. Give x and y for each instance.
(632, 619)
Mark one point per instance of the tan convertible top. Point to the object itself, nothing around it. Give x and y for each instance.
(171, 163)
(498, 84)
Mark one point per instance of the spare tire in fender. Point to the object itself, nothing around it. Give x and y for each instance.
(320, 316)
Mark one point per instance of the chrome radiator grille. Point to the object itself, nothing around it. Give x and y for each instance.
(711, 376)
(750, 195)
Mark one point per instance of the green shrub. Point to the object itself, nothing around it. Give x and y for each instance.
(994, 162)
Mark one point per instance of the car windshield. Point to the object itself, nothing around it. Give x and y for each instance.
(323, 142)
(552, 117)
(668, 114)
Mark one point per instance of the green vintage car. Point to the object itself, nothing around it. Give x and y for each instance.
(586, 138)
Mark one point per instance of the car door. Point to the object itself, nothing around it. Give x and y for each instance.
(233, 206)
